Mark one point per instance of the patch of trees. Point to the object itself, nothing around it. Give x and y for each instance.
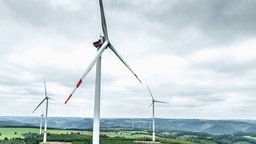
(230, 139)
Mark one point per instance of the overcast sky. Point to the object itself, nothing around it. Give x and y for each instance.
(197, 55)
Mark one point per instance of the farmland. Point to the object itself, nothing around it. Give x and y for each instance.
(124, 136)
(127, 131)
(18, 132)
(30, 134)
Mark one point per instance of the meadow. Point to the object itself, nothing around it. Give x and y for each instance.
(18, 132)
(124, 136)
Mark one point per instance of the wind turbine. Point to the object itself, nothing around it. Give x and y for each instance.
(46, 112)
(153, 109)
(41, 123)
(102, 44)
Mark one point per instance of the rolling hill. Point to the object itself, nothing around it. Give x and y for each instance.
(215, 127)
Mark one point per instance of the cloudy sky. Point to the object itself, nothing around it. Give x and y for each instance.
(199, 56)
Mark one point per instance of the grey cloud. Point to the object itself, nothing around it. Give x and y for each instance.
(226, 66)
(25, 90)
(206, 95)
(69, 77)
(43, 16)
(216, 22)
(220, 18)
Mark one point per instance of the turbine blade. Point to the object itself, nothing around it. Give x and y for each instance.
(103, 20)
(120, 57)
(45, 92)
(150, 92)
(98, 54)
(161, 102)
(51, 98)
(39, 105)
(150, 104)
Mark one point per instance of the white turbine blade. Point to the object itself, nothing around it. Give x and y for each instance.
(103, 20)
(150, 92)
(98, 54)
(150, 104)
(161, 102)
(120, 57)
(39, 105)
(45, 92)
(53, 99)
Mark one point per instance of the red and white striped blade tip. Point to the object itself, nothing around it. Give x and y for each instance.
(68, 98)
(77, 86)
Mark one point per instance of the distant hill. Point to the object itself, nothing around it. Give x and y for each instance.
(193, 125)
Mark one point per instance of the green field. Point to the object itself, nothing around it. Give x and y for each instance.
(128, 134)
(17, 132)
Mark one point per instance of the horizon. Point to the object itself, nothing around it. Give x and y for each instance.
(138, 118)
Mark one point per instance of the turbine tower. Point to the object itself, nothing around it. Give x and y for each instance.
(102, 44)
(46, 112)
(41, 123)
(153, 112)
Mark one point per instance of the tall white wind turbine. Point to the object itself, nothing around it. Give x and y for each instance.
(46, 112)
(102, 44)
(153, 112)
(41, 123)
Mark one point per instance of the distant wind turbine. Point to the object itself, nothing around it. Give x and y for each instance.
(41, 123)
(153, 109)
(102, 44)
(46, 112)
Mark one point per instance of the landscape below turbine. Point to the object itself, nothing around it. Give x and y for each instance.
(153, 113)
(46, 112)
(102, 44)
